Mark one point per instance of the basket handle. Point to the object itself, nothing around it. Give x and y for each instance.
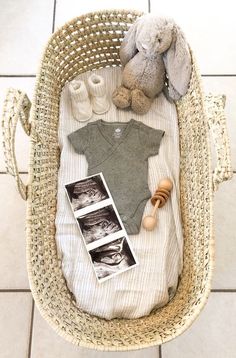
(16, 107)
(217, 124)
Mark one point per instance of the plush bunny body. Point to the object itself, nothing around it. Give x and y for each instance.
(145, 73)
(153, 51)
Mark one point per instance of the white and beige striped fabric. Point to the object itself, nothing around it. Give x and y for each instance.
(136, 292)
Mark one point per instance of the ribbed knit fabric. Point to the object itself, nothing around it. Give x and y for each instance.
(80, 102)
(98, 94)
(160, 252)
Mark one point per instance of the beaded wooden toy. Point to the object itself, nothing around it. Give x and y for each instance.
(158, 200)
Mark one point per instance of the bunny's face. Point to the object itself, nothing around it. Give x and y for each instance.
(155, 38)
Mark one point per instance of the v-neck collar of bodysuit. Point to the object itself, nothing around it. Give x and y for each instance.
(115, 143)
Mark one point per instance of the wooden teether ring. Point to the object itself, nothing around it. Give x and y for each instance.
(158, 200)
(159, 195)
(162, 191)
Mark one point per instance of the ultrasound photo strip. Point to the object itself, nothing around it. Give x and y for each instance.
(100, 226)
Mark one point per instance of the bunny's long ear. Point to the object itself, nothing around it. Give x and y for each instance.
(178, 65)
(128, 47)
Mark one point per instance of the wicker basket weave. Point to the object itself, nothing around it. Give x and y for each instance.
(89, 42)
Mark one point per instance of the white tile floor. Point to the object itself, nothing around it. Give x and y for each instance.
(24, 29)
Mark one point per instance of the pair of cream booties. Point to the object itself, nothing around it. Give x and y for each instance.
(84, 105)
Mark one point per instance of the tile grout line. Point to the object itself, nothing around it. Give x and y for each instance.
(31, 329)
(54, 16)
(218, 75)
(222, 290)
(19, 172)
(160, 351)
(14, 290)
(17, 75)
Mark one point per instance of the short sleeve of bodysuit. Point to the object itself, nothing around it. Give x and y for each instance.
(150, 139)
(79, 139)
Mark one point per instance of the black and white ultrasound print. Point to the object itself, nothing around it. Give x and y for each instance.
(86, 192)
(112, 258)
(98, 224)
(102, 230)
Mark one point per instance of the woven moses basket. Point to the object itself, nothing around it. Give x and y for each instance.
(90, 42)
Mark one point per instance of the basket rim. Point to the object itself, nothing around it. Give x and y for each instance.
(39, 304)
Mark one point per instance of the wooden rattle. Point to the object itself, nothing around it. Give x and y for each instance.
(158, 200)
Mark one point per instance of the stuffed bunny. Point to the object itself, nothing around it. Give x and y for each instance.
(155, 57)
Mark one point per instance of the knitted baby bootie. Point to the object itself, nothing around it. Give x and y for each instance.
(97, 89)
(80, 102)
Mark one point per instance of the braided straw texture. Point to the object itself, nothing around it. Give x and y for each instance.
(86, 43)
(16, 106)
(217, 124)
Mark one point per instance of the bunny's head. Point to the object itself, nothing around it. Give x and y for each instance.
(153, 36)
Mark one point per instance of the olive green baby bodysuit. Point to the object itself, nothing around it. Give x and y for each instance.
(120, 150)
